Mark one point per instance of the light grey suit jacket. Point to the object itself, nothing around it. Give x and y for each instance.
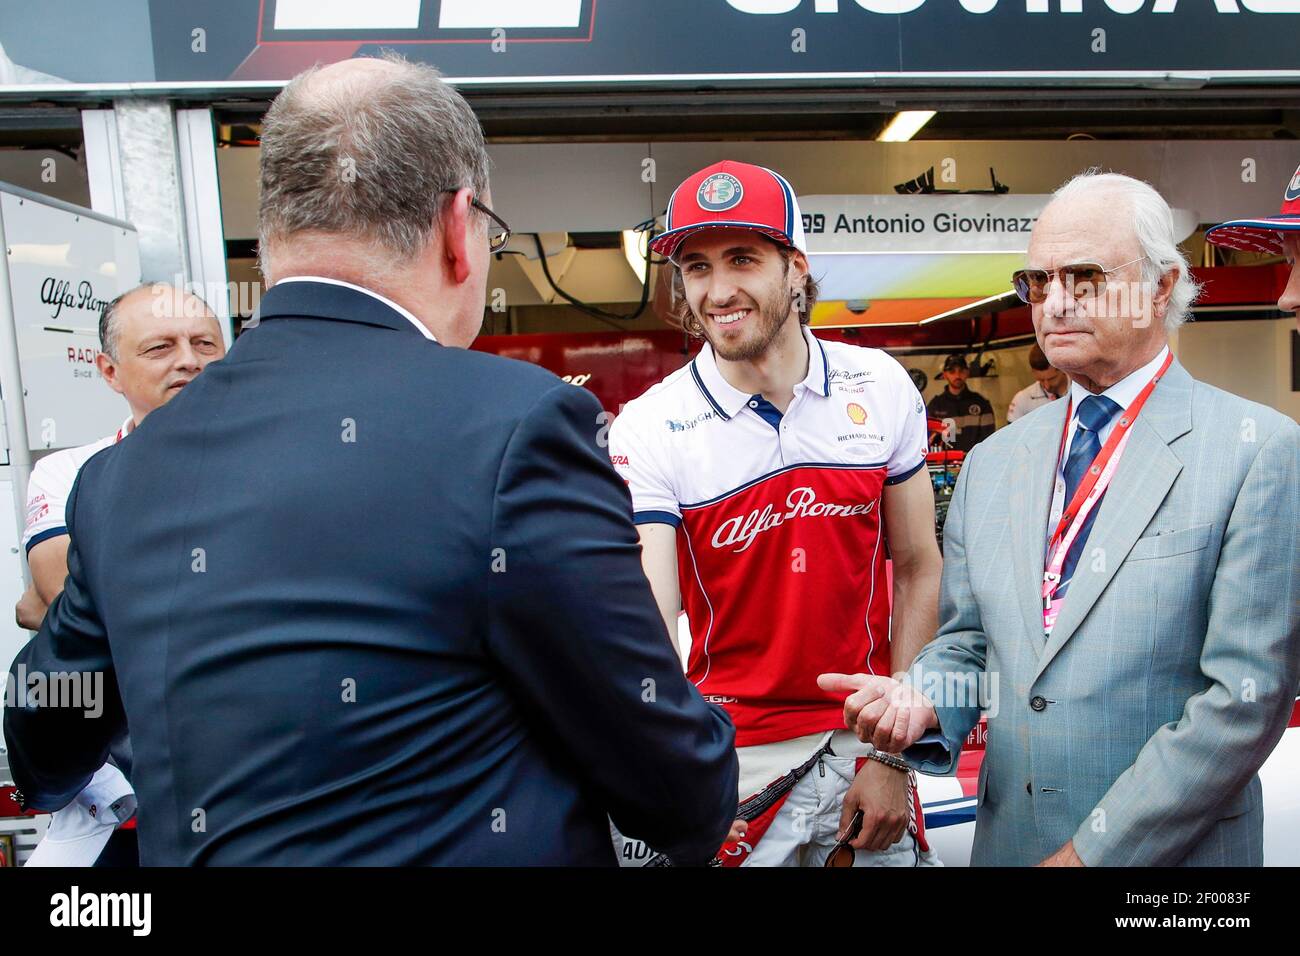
(1171, 671)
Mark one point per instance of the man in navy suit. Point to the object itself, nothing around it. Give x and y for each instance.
(363, 595)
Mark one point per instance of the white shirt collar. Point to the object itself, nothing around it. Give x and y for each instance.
(1123, 392)
(729, 400)
(374, 295)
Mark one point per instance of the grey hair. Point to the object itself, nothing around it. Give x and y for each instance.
(1153, 227)
(367, 161)
(110, 329)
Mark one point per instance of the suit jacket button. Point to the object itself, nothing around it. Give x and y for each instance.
(1038, 704)
(1029, 787)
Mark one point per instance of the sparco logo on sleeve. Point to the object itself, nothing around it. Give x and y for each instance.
(801, 503)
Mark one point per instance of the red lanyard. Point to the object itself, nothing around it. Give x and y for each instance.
(1089, 481)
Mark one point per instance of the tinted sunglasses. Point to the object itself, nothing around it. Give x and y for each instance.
(1079, 279)
(842, 854)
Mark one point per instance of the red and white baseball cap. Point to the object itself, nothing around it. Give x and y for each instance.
(731, 195)
(1262, 235)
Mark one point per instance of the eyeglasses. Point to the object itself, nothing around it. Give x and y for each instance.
(1079, 279)
(842, 853)
(498, 238)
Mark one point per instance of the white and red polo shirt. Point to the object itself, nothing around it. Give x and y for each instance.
(51, 482)
(781, 554)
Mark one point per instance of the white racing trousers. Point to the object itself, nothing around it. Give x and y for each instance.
(797, 825)
(803, 830)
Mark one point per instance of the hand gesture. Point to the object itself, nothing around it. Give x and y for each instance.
(882, 712)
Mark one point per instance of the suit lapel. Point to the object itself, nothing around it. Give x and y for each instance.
(1143, 479)
(1033, 474)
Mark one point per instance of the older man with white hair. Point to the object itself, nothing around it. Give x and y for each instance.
(1130, 612)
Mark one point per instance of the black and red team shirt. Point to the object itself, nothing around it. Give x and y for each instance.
(781, 555)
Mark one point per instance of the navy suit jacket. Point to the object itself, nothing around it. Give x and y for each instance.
(366, 599)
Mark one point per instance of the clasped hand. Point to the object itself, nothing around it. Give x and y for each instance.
(889, 715)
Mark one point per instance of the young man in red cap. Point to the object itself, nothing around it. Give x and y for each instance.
(763, 475)
(1278, 234)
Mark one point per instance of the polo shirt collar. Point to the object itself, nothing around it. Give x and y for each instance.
(727, 400)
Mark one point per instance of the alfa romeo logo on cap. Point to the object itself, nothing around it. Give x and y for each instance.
(720, 192)
(1293, 190)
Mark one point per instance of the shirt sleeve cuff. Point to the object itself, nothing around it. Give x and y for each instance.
(657, 517)
(45, 535)
(904, 475)
(930, 754)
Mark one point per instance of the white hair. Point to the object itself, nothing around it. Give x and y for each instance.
(1153, 227)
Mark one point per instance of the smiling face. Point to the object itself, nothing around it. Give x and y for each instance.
(1097, 339)
(163, 339)
(740, 290)
(1290, 300)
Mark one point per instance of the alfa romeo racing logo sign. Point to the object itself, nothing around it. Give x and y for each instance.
(720, 192)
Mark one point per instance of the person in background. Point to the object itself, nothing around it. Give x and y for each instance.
(1049, 385)
(1278, 234)
(154, 340)
(967, 414)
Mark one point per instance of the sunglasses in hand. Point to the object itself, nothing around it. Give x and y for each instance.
(842, 853)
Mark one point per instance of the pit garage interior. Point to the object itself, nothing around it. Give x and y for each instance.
(577, 172)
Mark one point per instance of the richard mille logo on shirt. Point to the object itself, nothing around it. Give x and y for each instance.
(738, 533)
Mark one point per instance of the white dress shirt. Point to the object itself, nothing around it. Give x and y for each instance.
(1122, 393)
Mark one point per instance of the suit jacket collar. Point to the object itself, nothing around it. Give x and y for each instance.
(1145, 474)
(336, 302)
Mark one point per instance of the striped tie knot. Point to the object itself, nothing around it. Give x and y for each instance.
(1095, 411)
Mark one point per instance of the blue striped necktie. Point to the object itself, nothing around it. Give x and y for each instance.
(1094, 412)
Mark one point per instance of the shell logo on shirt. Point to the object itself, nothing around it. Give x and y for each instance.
(857, 414)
